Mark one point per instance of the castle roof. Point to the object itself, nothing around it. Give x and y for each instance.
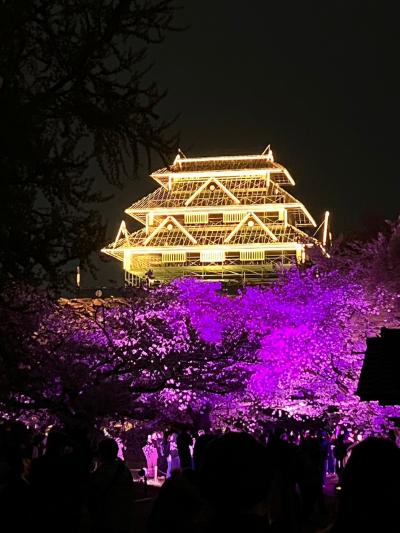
(225, 165)
(244, 193)
(235, 208)
(211, 236)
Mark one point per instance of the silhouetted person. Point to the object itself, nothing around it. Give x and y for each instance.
(111, 492)
(370, 495)
(163, 452)
(179, 506)
(200, 450)
(183, 442)
(37, 446)
(150, 451)
(235, 479)
(341, 445)
(15, 491)
(56, 486)
(311, 479)
(284, 501)
(173, 462)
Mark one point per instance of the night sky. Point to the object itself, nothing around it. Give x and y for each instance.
(317, 80)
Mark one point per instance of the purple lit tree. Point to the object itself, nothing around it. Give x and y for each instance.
(141, 359)
(312, 326)
(294, 346)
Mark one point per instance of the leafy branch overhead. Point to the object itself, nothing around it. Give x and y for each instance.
(77, 100)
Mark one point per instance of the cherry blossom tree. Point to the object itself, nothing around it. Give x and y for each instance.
(140, 358)
(312, 327)
(294, 347)
(314, 324)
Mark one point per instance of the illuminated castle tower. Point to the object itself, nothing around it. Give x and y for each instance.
(216, 218)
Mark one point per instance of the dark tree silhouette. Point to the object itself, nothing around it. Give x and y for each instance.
(75, 102)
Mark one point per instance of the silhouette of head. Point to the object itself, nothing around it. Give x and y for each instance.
(200, 450)
(56, 442)
(235, 474)
(370, 485)
(108, 450)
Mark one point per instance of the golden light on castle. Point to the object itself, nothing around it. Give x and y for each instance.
(216, 218)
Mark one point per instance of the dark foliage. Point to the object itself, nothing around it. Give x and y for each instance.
(75, 102)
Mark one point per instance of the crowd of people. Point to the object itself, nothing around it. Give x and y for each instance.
(63, 481)
(166, 452)
(213, 481)
(280, 482)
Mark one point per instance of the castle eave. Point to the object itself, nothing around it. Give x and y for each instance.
(217, 217)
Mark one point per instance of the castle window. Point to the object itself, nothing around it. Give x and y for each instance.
(212, 256)
(173, 257)
(233, 216)
(252, 255)
(196, 218)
